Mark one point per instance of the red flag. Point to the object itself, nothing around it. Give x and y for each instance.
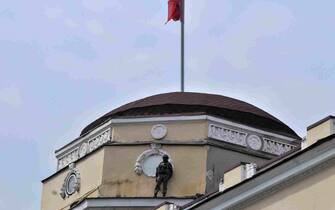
(174, 10)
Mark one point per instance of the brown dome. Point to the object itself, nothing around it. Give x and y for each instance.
(187, 103)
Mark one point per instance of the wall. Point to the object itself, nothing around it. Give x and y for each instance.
(221, 160)
(319, 132)
(120, 180)
(233, 177)
(90, 169)
(313, 193)
(177, 131)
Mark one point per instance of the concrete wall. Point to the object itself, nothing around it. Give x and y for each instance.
(120, 180)
(313, 193)
(90, 170)
(177, 131)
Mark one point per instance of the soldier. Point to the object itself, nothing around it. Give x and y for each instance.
(164, 172)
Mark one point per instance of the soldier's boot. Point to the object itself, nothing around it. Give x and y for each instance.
(156, 191)
(164, 188)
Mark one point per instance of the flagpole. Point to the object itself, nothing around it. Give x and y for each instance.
(182, 22)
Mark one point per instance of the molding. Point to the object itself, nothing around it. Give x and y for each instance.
(276, 147)
(155, 150)
(77, 148)
(158, 131)
(84, 147)
(74, 143)
(215, 119)
(241, 138)
(109, 123)
(158, 119)
(128, 202)
(73, 173)
(300, 169)
(198, 117)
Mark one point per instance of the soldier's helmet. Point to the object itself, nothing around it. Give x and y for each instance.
(165, 157)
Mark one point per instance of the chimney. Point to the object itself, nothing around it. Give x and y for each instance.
(239, 173)
(319, 130)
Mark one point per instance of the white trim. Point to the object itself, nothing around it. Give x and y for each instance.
(167, 119)
(129, 202)
(160, 119)
(78, 141)
(198, 117)
(227, 122)
(299, 169)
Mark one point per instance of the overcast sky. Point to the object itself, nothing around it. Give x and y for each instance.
(65, 63)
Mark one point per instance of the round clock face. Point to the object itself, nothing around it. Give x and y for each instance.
(71, 184)
(254, 142)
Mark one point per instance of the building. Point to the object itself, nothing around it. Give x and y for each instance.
(303, 179)
(214, 144)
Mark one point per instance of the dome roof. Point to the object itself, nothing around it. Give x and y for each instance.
(188, 103)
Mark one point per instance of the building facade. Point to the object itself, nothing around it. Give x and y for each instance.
(113, 162)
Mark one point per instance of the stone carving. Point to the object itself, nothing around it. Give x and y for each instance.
(68, 158)
(97, 141)
(227, 135)
(148, 161)
(275, 147)
(158, 131)
(84, 148)
(164, 172)
(252, 141)
(71, 182)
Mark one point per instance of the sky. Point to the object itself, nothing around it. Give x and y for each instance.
(65, 63)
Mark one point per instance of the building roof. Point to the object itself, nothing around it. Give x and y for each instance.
(295, 166)
(188, 103)
(320, 122)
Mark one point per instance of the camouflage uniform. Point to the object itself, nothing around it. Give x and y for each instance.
(164, 172)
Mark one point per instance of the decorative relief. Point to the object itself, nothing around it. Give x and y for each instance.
(148, 161)
(71, 182)
(158, 131)
(84, 148)
(68, 158)
(275, 147)
(227, 135)
(99, 140)
(254, 142)
(244, 139)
